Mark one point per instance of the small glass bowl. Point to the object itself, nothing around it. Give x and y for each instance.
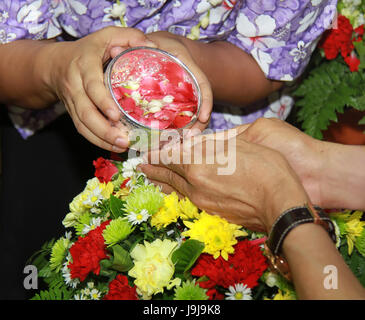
(143, 64)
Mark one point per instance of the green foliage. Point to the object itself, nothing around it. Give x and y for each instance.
(355, 261)
(54, 294)
(122, 259)
(186, 255)
(327, 90)
(117, 207)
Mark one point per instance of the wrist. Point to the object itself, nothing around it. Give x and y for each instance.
(46, 68)
(343, 177)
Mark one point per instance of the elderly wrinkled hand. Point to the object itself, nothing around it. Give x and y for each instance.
(261, 186)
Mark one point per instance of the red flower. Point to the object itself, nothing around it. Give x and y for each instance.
(246, 266)
(119, 289)
(338, 40)
(87, 253)
(353, 62)
(104, 169)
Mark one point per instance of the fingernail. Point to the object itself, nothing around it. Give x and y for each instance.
(121, 143)
(118, 150)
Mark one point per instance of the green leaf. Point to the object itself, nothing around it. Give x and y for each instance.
(116, 207)
(185, 257)
(122, 260)
(54, 294)
(327, 90)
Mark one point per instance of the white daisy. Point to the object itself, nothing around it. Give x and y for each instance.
(95, 222)
(239, 292)
(94, 198)
(66, 273)
(137, 218)
(129, 167)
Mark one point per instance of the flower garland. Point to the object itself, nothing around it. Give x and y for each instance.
(127, 240)
(334, 79)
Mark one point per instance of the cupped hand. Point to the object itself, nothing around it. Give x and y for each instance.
(171, 43)
(306, 155)
(77, 79)
(260, 186)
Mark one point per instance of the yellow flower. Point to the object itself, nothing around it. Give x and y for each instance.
(106, 189)
(216, 233)
(286, 295)
(168, 213)
(122, 193)
(188, 210)
(77, 208)
(153, 268)
(354, 228)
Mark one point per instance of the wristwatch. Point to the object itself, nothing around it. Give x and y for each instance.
(286, 222)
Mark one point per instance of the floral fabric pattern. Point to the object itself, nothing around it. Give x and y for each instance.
(279, 34)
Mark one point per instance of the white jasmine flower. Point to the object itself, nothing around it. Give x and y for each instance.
(118, 10)
(239, 292)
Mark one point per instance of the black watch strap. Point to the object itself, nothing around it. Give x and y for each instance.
(294, 217)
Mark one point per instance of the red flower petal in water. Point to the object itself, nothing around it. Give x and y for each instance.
(104, 169)
(119, 289)
(181, 121)
(87, 253)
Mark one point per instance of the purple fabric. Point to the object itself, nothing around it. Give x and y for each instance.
(279, 34)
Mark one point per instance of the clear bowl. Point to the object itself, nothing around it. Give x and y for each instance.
(134, 75)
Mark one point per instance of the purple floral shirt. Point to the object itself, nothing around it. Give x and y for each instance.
(279, 34)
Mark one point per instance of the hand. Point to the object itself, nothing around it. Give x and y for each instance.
(172, 44)
(77, 79)
(306, 155)
(262, 186)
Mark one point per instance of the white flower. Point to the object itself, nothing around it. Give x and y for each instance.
(271, 279)
(263, 59)
(300, 52)
(4, 16)
(66, 273)
(137, 218)
(94, 197)
(239, 292)
(118, 10)
(129, 167)
(95, 222)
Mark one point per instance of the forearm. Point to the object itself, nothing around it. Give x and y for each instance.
(235, 77)
(343, 176)
(309, 250)
(24, 71)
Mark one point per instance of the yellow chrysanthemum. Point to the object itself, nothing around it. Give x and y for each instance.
(153, 268)
(188, 210)
(168, 213)
(216, 233)
(354, 228)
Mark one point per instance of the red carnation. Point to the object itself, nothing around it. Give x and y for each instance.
(246, 266)
(87, 253)
(104, 169)
(119, 289)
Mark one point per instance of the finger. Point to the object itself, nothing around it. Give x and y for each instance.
(84, 131)
(166, 176)
(90, 116)
(93, 82)
(124, 37)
